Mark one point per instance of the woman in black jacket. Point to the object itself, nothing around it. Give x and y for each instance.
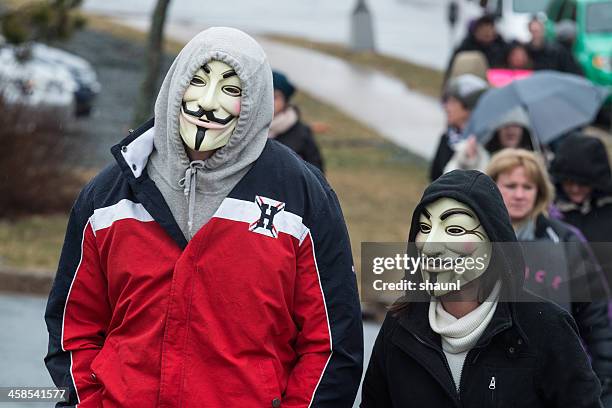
(559, 264)
(529, 353)
(582, 176)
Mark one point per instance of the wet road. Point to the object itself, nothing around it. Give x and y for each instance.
(23, 343)
(415, 30)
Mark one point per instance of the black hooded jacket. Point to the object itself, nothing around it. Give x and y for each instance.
(584, 160)
(552, 55)
(561, 268)
(530, 354)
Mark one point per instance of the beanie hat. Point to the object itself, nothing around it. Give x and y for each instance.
(469, 62)
(282, 84)
(466, 88)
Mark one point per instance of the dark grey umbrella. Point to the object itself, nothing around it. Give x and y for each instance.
(555, 103)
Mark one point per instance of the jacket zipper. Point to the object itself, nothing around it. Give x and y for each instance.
(492, 387)
(441, 353)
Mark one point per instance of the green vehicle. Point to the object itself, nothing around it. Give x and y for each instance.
(593, 45)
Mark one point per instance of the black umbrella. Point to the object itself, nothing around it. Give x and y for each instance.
(555, 103)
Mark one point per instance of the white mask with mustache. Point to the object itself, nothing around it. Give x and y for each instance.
(450, 230)
(210, 107)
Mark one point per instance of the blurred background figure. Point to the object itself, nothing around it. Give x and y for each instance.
(287, 127)
(469, 62)
(511, 131)
(459, 99)
(483, 37)
(518, 56)
(559, 264)
(581, 172)
(550, 54)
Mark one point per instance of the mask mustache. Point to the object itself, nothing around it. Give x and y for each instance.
(210, 115)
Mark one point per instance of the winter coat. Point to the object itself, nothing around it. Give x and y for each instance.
(560, 267)
(259, 309)
(444, 153)
(594, 220)
(554, 56)
(300, 139)
(593, 217)
(530, 354)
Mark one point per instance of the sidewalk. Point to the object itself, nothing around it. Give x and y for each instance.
(385, 104)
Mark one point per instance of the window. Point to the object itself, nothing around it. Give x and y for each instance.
(569, 11)
(530, 6)
(599, 18)
(554, 9)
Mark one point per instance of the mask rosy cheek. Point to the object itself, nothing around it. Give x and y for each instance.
(469, 247)
(237, 108)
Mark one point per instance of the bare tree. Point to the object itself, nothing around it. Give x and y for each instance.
(154, 54)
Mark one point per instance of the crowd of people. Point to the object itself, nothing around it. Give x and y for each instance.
(537, 54)
(558, 199)
(469, 75)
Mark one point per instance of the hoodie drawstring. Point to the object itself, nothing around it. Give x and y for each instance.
(189, 189)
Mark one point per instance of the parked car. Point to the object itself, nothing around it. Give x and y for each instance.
(34, 86)
(81, 70)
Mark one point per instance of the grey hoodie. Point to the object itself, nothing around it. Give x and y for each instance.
(195, 190)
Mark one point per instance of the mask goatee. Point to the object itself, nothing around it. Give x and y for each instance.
(200, 137)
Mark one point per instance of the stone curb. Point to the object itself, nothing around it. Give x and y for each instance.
(14, 279)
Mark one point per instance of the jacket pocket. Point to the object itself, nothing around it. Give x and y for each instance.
(270, 383)
(99, 364)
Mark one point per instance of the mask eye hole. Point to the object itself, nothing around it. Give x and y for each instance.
(425, 228)
(455, 230)
(197, 81)
(232, 90)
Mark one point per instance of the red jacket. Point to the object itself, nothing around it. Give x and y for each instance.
(259, 309)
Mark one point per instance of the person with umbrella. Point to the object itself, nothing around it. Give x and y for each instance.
(555, 103)
(513, 130)
(583, 180)
(559, 264)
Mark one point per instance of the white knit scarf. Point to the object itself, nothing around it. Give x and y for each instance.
(460, 335)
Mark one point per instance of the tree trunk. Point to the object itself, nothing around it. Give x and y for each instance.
(153, 58)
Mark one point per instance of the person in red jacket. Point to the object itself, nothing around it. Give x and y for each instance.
(209, 266)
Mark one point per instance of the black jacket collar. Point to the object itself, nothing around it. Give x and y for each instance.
(144, 188)
(416, 322)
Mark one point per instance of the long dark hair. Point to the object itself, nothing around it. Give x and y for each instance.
(494, 145)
